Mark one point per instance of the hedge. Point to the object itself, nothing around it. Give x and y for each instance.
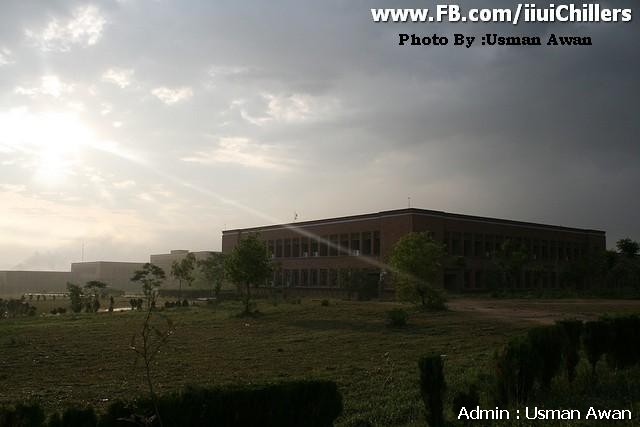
(308, 403)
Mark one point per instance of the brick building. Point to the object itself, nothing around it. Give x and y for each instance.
(313, 254)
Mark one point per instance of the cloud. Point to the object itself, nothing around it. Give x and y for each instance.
(124, 184)
(294, 108)
(244, 152)
(171, 96)
(84, 28)
(50, 85)
(118, 76)
(6, 56)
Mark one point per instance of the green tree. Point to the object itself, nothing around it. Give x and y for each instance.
(417, 262)
(92, 290)
(183, 271)
(75, 297)
(248, 264)
(150, 277)
(156, 327)
(628, 247)
(511, 259)
(212, 269)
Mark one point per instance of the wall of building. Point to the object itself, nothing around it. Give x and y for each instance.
(115, 274)
(365, 241)
(16, 283)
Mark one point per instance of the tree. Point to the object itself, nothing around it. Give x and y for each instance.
(417, 261)
(153, 335)
(511, 259)
(75, 297)
(212, 269)
(93, 289)
(248, 264)
(628, 247)
(150, 277)
(183, 271)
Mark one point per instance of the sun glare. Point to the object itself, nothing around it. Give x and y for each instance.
(48, 142)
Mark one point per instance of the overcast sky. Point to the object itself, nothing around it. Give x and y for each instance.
(140, 126)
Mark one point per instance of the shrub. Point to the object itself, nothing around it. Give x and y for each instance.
(515, 371)
(308, 403)
(324, 303)
(397, 318)
(435, 299)
(79, 417)
(595, 339)
(22, 415)
(571, 347)
(185, 303)
(624, 337)
(466, 399)
(546, 346)
(432, 386)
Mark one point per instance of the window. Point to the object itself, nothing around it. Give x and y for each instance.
(313, 278)
(295, 278)
(287, 248)
(314, 247)
(333, 246)
(376, 243)
(366, 243)
(295, 247)
(323, 277)
(333, 278)
(270, 248)
(467, 244)
(477, 246)
(323, 246)
(355, 243)
(304, 277)
(304, 244)
(344, 244)
(279, 248)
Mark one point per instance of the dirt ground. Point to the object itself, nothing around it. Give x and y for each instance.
(543, 311)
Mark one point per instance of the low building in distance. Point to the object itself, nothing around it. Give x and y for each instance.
(315, 254)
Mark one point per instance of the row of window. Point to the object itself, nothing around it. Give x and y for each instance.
(322, 277)
(484, 245)
(354, 244)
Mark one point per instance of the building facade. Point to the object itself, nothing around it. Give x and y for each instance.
(315, 254)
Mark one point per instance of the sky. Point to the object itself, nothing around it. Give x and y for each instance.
(136, 126)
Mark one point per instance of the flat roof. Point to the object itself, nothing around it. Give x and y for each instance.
(412, 211)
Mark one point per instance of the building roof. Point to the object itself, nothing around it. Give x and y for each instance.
(412, 211)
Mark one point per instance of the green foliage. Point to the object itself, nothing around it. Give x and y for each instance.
(308, 403)
(432, 387)
(546, 345)
(79, 417)
(150, 277)
(11, 308)
(571, 329)
(212, 269)
(397, 318)
(516, 366)
(628, 247)
(624, 341)
(248, 265)
(468, 399)
(22, 415)
(183, 271)
(417, 262)
(511, 259)
(595, 338)
(362, 283)
(75, 297)
(324, 303)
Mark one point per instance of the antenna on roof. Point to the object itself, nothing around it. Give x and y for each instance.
(295, 216)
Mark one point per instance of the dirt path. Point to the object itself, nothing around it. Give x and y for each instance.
(543, 311)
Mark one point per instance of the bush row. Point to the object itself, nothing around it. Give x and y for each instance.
(547, 351)
(308, 403)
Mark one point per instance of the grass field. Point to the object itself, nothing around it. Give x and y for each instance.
(86, 358)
